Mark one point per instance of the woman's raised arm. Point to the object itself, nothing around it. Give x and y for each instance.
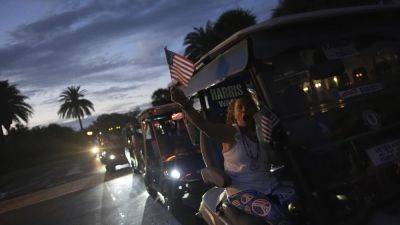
(221, 132)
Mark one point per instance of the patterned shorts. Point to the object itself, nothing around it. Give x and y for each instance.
(268, 207)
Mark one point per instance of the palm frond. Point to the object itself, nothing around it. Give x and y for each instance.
(73, 104)
(203, 39)
(13, 105)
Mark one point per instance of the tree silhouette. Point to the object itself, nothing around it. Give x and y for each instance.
(203, 39)
(160, 96)
(105, 121)
(233, 21)
(200, 41)
(13, 107)
(74, 105)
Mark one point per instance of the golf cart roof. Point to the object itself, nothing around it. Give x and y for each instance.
(159, 110)
(231, 56)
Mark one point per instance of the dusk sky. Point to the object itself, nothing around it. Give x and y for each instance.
(113, 49)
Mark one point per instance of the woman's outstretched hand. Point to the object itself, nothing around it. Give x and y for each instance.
(178, 96)
(221, 132)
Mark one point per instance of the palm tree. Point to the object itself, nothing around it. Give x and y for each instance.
(203, 39)
(200, 41)
(74, 105)
(232, 21)
(13, 107)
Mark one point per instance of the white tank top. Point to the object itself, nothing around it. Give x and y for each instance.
(246, 164)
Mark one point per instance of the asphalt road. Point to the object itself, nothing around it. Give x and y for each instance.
(78, 191)
(48, 175)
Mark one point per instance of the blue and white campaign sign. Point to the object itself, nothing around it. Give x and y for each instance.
(220, 96)
(339, 49)
(362, 90)
(385, 153)
(371, 119)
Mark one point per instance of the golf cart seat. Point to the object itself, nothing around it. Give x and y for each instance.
(213, 173)
(216, 177)
(225, 209)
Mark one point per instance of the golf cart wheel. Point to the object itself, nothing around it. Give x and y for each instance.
(110, 168)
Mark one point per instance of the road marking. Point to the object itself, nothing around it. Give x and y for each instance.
(51, 193)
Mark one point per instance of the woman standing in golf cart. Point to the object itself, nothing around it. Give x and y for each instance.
(244, 161)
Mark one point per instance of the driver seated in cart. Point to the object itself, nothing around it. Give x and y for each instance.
(254, 189)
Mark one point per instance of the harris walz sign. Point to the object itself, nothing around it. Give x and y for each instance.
(220, 96)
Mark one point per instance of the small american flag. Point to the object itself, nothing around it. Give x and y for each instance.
(268, 121)
(181, 68)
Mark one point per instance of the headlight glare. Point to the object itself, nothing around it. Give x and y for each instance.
(112, 156)
(95, 150)
(175, 174)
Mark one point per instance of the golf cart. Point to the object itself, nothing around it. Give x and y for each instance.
(172, 162)
(112, 150)
(332, 78)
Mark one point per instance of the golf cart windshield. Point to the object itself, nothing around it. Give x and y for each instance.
(172, 136)
(345, 87)
(113, 141)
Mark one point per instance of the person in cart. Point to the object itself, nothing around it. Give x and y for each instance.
(254, 189)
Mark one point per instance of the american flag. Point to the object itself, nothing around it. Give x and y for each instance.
(181, 68)
(268, 121)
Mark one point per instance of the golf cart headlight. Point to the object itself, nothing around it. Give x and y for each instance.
(95, 150)
(112, 156)
(341, 197)
(175, 174)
